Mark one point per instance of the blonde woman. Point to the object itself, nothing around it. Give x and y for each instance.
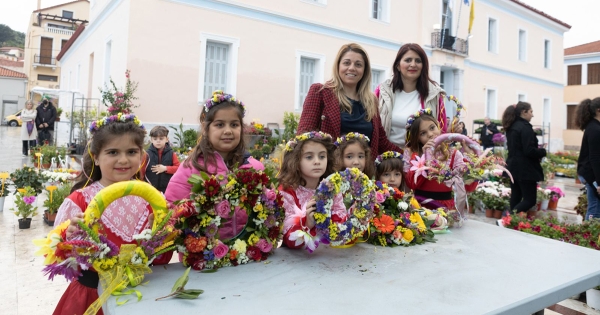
(28, 129)
(345, 103)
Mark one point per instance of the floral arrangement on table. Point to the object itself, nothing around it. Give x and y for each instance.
(24, 199)
(480, 165)
(396, 223)
(88, 247)
(28, 176)
(359, 196)
(59, 175)
(542, 194)
(586, 234)
(555, 193)
(117, 100)
(495, 196)
(499, 139)
(217, 198)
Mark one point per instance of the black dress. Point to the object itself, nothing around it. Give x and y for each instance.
(524, 155)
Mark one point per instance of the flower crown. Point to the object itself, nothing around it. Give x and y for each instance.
(349, 136)
(305, 136)
(411, 118)
(219, 97)
(120, 117)
(387, 155)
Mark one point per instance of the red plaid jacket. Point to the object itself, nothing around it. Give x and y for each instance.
(322, 111)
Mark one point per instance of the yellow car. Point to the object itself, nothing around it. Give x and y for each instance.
(13, 120)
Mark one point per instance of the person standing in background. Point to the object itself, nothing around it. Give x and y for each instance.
(46, 116)
(487, 133)
(587, 118)
(28, 129)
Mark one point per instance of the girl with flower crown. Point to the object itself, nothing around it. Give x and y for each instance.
(220, 148)
(421, 130)
(353, 151)
(308, 159)
(389, 168)
(115, 155)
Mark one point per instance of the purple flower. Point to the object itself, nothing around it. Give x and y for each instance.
(29, 199)
(210, 230)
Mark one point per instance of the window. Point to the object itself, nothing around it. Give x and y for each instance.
(490, 108)
(51, 78)
(447, 18)
(574, 75)
(63, 27)
(522, 45)
(107, 55)
(67, 14)
(63, 43)
(377, 77)
(547, 54)
(522, 98)
(571, 110)
(309, 70)
(547, 112)
(216, 62)
(593, 76)
(380, 10)
(492, 35)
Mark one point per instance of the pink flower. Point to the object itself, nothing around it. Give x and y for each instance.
(29, 200)
(419, 167)
(223, 209)
(220, 250)
(379, 197)
(264, 245)
(270, 194)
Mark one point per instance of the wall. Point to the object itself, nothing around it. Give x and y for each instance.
(11, 89)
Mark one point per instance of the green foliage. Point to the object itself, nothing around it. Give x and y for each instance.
(28, 177)
(582, 204)
(117, 100)
(24, 203)
(180, 292)
(256, 153)
(290, 121)
(81, 119)
(185, 139)
(10, 37)
(267, 149)
(58, 196)
(49, 152)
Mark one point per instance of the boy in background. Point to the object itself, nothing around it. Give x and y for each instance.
(160, 162)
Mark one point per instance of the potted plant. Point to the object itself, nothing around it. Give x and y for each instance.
(59, 112)
(543, 198)
(555, 194)
(4, 189)
(56, 196)
(28, 176)
(549, 168)
(25, 197)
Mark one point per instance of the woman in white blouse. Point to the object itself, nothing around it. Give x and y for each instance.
(28, 129)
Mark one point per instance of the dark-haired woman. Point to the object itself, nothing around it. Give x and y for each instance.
(524, 156)
(409, 90)
(587, 118)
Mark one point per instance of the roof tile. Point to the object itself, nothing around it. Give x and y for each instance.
(4, 72)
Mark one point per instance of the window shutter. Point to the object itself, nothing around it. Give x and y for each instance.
(574, 75)
(593, 73)
(216, 65)
(571, 116)
(307, 77)
(375, 79)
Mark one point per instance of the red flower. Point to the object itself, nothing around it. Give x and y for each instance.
(523, 226)
(274, 232)
(196, 261)
(253, 253)
(537, 229)
(185, 209)
(398, 194)
(194, 244)
(211, 186)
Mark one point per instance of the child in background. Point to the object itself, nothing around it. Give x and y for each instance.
(389, 168)
(220, 148)
(115, 155)
(308, 159)
(421, 130)
(353, 150)
(160, 162)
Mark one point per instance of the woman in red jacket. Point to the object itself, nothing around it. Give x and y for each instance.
(345, 103)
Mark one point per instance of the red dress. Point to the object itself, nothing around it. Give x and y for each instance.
(122, 219)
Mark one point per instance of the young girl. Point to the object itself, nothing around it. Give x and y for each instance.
(308, 159)
(220, 148)
(389, 168)
(421, 130)
(115, 155)
(353, 150)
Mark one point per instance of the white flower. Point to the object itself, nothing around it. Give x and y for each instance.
(402, 205)
(144, 235)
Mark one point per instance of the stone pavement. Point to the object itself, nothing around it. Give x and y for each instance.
(25, 290)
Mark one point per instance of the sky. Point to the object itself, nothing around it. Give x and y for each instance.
(582, 15)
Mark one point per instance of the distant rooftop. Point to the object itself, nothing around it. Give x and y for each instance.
(4, 72)
(588, 48)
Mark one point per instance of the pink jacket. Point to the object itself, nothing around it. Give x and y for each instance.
(179, 189)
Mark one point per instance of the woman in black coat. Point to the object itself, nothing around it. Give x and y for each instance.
(524, 156)
(587, 118)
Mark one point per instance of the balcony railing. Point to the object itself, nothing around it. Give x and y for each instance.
(44, 60)
(61, 31)
(457, 45)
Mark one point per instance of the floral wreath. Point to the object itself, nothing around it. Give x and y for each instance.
(411, 118)
(87, 248)
(387, 155)
(459, 109)
(290, 145)
(218, 97)
(217, 198)
(397, 221)
(120, 117)
(350, 183)
(350, 136)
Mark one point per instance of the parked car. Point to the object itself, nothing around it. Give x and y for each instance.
(13, 120)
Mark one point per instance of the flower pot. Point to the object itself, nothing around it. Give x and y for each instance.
(2, 203)
(538, 206)
(577, 181)
(552, 204)
(471, 209)
(24, 223)
(544, 204)
(593, 298)
(49, 218)
(489, 213)
(46, 165)
(497, 214)
(531, 214)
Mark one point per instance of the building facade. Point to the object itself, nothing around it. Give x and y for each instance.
(13, 85)
(582, 80)
(269, 55)
(49, 29)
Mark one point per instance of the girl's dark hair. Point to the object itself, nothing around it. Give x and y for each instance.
(423, 82)
(205, 149)
(369, 164)
(290, 175)
(412, 134)
(391, 165)
(512, 112)
(586, 111)
(98, 141)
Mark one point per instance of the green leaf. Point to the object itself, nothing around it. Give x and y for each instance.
(182, 281)
(189, 295)
(209, 270)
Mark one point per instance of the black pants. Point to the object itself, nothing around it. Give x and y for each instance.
(28, 144)
(523, 195)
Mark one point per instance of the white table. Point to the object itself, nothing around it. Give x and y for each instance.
(478, 269)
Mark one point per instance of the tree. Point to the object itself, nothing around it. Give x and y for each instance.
(6, 34)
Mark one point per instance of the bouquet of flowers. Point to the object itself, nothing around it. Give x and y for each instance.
(555, 193)
(480, 165)
(542, 194)
(119, 101)
(499, 139)
(396, 221)
(215, 199)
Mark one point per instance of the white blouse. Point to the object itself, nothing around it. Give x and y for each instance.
(405, 104)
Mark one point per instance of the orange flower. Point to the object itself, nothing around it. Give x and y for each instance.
(385, 224)
(233, 254)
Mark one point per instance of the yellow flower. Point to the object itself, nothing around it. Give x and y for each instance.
(48, 245)
(240, 246)
(333, 231)
(258, 207)
(319, 217)
(262, 215)
(253, 239)
(408, 235)
(416, 218)
(230, 184)
(105, 263)
(205, 221)
(414, 203)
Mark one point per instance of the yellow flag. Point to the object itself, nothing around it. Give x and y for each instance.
(471, 16)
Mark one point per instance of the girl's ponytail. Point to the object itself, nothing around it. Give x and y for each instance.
(586, 111)
(512, 112)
